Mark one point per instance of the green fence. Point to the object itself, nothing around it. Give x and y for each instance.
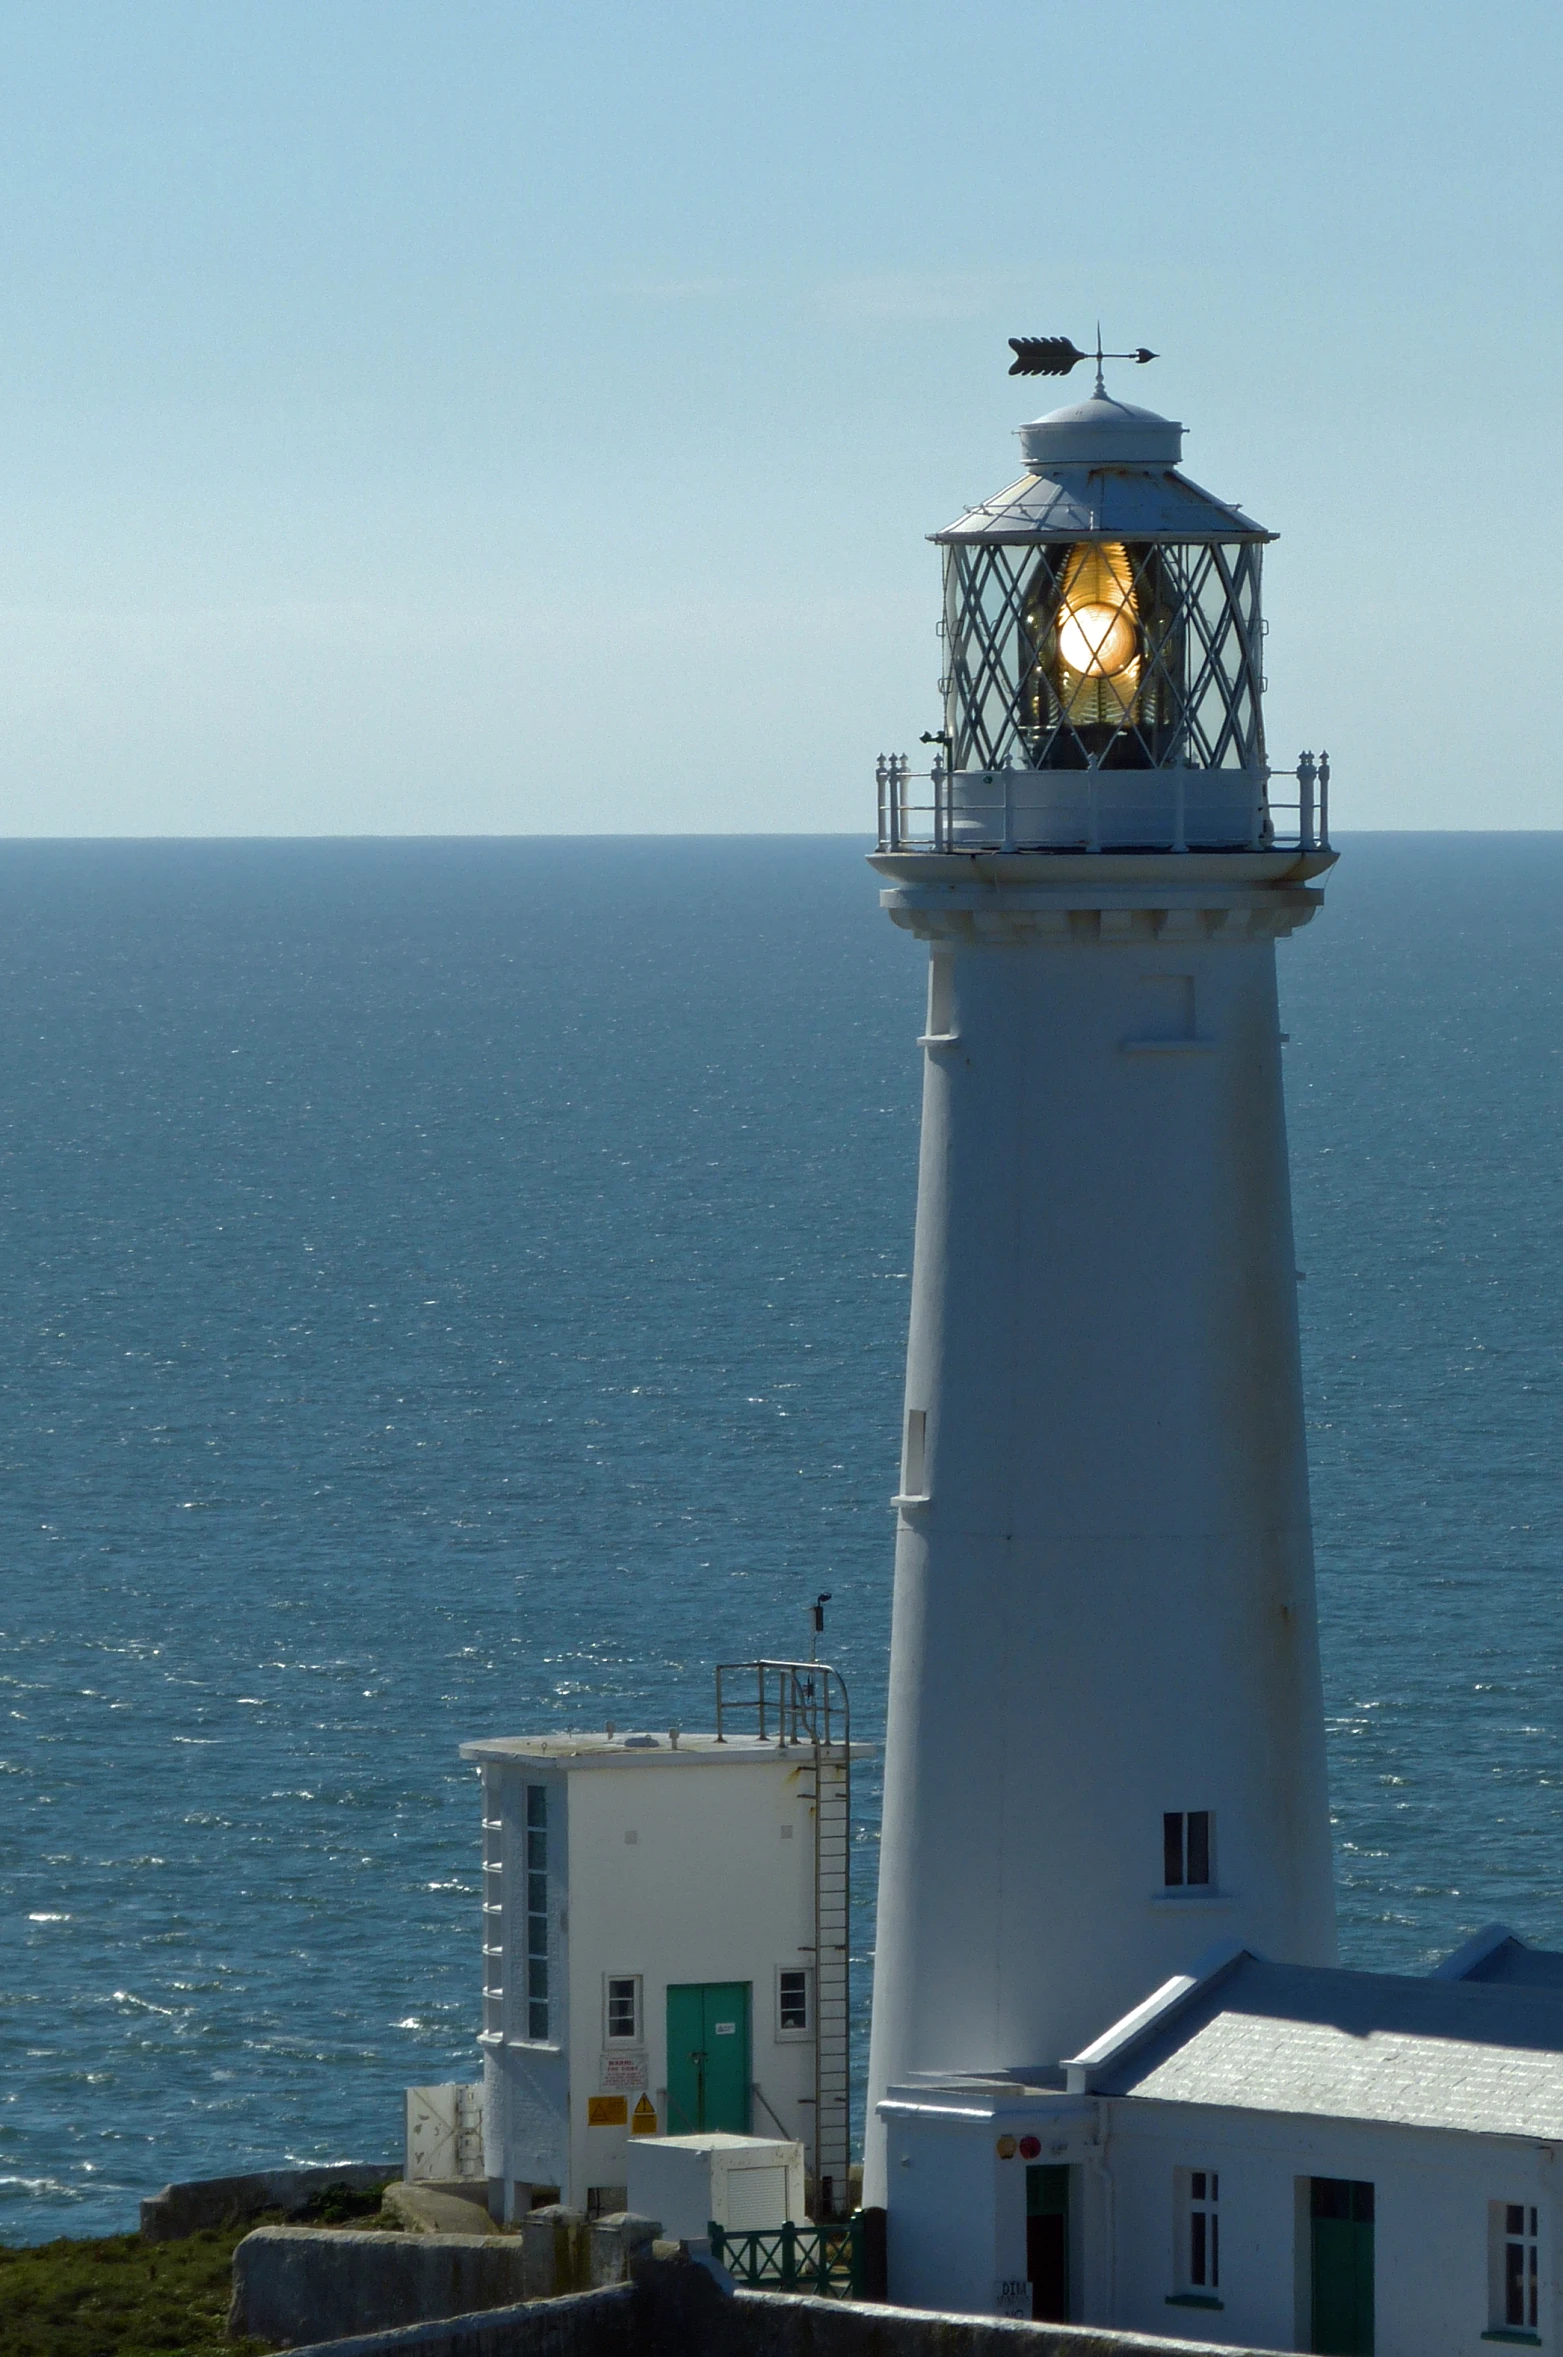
(825, 2260)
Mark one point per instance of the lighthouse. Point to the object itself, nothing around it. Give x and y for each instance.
(1105, 1749)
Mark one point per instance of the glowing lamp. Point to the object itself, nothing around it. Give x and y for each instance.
(1097, 629)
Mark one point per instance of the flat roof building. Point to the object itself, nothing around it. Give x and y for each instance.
(665, 1941)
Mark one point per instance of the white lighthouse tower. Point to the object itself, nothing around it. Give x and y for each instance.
(1105, 1742)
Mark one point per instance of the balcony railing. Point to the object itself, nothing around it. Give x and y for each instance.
(1095, 810)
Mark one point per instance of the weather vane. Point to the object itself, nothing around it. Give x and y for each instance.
(1057, 355)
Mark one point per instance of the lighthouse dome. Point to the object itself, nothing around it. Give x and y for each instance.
(1101, 432)
(1099, 470)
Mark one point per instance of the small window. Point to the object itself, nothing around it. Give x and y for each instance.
(1186, 1847)
(621, 2010)
(794, 2002)
(1516, 2267)
(537, 1911)
(913, 1470)
(1199, 2231)
(941, 993)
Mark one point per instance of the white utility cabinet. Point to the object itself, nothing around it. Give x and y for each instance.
(738, 2182)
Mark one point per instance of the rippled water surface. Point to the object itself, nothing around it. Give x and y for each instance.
(459, 1287)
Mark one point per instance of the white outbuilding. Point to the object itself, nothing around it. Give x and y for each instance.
(1278, 2156)
(665, 1940)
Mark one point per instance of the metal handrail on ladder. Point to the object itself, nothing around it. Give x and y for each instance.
(804, 1705)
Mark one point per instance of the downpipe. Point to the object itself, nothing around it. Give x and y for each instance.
(1095, 2156)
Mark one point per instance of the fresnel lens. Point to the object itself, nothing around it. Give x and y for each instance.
(1097, 630)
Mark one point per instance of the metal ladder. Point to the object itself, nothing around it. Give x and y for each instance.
(804, 1705)
(832, 1979)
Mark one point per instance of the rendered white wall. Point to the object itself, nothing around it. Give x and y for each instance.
(956, 2227)
(709, 1891)
(957, 2215)
(948, 2237)
(1105, 1609)
(1431, 2195)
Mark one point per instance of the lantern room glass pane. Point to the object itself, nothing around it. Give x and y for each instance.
(1102, 654)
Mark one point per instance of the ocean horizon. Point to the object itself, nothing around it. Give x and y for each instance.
(458, 1285)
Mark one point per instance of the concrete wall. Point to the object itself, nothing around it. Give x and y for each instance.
(293, 2284)
(297, 2285)
(770, 2324)
(590, 2324)
(674, 2311)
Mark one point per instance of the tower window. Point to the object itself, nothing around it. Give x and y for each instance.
(1186, 1847)
(913, 1468)
(537, 1911)
(1516, 2268)
(941, 993)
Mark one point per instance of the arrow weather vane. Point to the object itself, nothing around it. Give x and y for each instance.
(1057, 355)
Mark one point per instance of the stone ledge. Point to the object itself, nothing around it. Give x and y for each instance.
(182, 2209)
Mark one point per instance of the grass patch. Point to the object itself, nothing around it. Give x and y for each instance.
(356, 2206)
(121, 2297)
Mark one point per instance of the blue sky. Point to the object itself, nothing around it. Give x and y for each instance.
(464, 417)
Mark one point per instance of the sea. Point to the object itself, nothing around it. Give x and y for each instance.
(453, 1288)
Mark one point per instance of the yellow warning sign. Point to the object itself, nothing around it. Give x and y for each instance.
(645, 2121)
(606, 2111)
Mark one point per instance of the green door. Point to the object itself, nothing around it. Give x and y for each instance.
(1047, 2243)
(1341, 2224)
(708, 2057)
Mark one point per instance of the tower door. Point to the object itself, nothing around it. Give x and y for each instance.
(708, 2057)
(1341, 2227)
(1047, 2243)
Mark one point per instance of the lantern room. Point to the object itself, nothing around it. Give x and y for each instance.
(1103, 660)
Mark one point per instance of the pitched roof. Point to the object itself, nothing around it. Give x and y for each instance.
(1518, 1966)
(1498, 1954)
(1481, 2056)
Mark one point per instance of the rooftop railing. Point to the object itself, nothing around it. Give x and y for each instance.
(783, 1702)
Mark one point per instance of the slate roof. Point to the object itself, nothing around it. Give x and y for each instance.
(1515, 1965)
(1481, 2056)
